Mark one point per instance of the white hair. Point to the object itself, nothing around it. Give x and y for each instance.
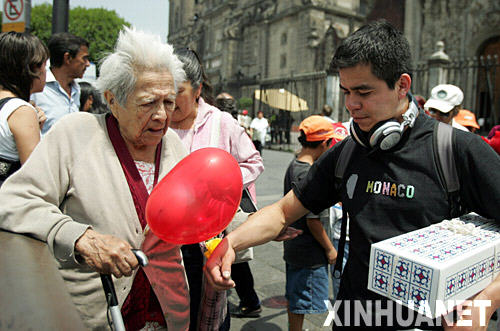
(136, 51)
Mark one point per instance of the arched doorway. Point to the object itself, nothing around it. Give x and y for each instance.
(488, 83)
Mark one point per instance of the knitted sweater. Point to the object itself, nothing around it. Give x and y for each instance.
(72, 181)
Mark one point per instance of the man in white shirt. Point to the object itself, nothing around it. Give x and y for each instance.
(69, 57)
(259, 127)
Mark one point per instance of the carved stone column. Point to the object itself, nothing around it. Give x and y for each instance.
(333, 95)
(437, 66)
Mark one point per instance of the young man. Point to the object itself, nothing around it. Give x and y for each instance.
(374, 66)
(307, 256)
(69, 57)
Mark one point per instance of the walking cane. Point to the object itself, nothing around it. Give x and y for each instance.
(109, 292)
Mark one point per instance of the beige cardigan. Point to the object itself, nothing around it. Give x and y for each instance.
(73, 181)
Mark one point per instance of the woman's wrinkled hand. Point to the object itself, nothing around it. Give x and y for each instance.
(106, 254)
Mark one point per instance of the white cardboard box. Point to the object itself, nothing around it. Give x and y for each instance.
(429, 268)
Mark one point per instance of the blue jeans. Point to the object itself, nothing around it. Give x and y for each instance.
(306, 289)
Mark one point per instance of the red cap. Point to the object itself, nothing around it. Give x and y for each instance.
(340, 132)
(244, 112)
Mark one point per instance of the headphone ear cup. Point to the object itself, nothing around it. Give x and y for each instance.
(390, 140)
(385, 135)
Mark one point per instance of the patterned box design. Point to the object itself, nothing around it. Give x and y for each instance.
(406, 267)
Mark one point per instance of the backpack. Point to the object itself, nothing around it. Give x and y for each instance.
(442, 142)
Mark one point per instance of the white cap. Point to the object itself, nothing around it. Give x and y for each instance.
(444, 97)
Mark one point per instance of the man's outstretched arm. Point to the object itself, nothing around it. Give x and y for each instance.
(261, 227)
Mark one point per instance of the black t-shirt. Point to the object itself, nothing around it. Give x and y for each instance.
(388, 193)
(304, 250)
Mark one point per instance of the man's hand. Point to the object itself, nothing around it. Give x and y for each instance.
(288, 233)
(218, 267)
(106, 254)
(475, 314)
(331, 255)
(469, 318)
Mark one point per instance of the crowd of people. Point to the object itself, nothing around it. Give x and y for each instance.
(78, 162)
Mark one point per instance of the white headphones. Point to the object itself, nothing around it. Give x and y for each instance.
(387, 134)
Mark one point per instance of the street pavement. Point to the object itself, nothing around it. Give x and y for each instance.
(268, 267)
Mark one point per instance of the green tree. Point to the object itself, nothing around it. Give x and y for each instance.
(41, 21)
(245, 102)
(99, 26)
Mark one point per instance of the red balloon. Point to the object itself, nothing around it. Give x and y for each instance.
(197, 199)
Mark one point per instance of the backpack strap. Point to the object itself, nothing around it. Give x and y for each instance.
(340, 167)
(443, 151)
(344, 157)
(4, 101)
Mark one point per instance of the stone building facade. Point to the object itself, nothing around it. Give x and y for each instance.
(266, 44)
(470, 32)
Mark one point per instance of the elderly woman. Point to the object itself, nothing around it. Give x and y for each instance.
(200, 125)
(84, 189)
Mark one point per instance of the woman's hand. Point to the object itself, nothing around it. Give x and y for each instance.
(41, 117)
(106, 254)
(40, 114)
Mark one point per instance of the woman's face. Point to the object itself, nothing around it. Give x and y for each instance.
(39, 83)
(88, 103)
(185, 102)
(145, 117)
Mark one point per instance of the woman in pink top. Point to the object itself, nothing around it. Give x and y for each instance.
(200, 125)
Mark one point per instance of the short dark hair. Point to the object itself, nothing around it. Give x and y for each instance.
(378, 44)
(20, 55)
(327, 110)
(195, 73)
(60, 43)
(226, 102)
(309, 144)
